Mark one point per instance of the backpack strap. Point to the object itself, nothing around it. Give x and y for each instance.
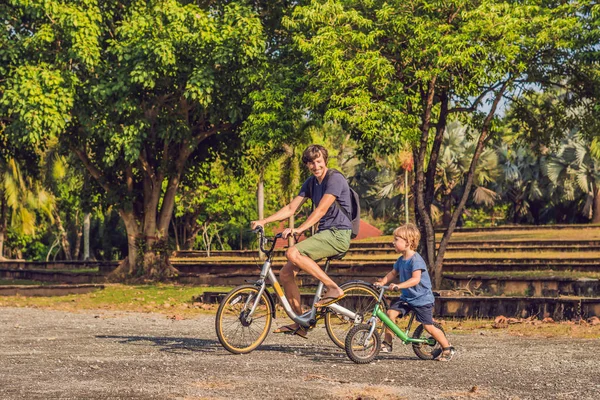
(336, 202)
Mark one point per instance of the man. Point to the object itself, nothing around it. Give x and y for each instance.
(332, 237)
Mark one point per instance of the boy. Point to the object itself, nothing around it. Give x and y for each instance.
(416, 289)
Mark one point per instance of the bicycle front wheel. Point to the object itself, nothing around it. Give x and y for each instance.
(361, 348)
(361, 299)
(238, 331)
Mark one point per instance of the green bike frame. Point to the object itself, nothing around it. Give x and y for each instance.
(377, 313)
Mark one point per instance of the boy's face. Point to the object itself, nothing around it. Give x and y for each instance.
(317, 167)
(400, 244)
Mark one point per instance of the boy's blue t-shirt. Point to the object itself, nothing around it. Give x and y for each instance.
(421, 294)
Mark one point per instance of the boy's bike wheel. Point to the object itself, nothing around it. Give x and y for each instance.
(361, 299)
(423, 350)
(236, 332)
(358, 348)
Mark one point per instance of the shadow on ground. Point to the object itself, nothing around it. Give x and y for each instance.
(170, 344)
(180, 345)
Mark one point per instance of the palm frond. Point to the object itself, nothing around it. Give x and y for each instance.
(483, 195)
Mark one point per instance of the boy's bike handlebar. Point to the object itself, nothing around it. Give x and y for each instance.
(386, 287)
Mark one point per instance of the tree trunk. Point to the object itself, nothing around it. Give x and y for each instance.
(483, 140)
(64, 240)
(177, 246)
(596, 207)
(2, 229)
(3, 223)
(260, 200)
(86, 236)
(447, 214)
(406, 196)
(425, 180)
(78, 234)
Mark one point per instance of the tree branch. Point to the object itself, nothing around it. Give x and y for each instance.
(92, 169)
(474, 105)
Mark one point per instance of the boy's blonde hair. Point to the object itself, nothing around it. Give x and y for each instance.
(410, 233)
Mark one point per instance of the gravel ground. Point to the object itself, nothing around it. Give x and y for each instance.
(108, 355)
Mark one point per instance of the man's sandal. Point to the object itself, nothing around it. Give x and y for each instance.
(290, 330)
(287, 329)
(445, 354)
(329, 300)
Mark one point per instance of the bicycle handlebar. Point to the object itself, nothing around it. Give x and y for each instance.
(262, 239)
(387, 287)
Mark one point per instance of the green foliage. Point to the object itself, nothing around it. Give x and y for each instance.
(371, 62)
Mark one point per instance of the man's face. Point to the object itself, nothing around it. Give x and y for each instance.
(317, 167)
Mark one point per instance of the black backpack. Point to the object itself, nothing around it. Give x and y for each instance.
(354, 202)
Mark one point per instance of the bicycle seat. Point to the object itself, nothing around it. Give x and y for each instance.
(337, 256)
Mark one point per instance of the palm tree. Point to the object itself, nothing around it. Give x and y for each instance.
(453, 165)
(522, 181)
(576, 166)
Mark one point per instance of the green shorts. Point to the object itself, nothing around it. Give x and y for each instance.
(326, 243)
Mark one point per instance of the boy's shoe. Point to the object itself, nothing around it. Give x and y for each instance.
(444, 354)
(386, 347)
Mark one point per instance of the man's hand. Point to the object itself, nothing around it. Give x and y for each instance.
(291, 231)
(255, 224)
(379, 282)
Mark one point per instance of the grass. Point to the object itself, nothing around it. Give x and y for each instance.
(530, 274)
(22, 282)
(575, 233)
(535, 329)
(521, 254)
(161, 298)
(95, 270)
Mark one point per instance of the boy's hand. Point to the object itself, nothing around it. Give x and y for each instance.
(379, 282)
(395, 287)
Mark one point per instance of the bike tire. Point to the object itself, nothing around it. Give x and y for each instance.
(360, 298)
(235, 334)
(356, 348)
(422, 350)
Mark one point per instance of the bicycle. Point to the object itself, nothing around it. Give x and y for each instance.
(245, 314)
(363, 341)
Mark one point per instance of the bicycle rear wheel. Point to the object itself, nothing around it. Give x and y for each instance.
(361, 299)
(360, 349)
(237, 332)
(423, 350)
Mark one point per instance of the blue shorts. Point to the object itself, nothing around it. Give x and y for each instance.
(424, 314)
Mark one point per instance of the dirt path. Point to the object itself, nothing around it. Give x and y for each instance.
(107, 355)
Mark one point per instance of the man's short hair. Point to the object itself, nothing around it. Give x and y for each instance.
(314, 151)
(410, 233)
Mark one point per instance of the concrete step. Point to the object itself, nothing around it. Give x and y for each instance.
(47, 290)
(53, 276)
(546, 286)
(558, 308)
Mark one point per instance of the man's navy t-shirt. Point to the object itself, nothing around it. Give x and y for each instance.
(421, 294)
(335, 184)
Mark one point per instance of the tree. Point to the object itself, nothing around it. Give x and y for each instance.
(395, 71)
(133, 88)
